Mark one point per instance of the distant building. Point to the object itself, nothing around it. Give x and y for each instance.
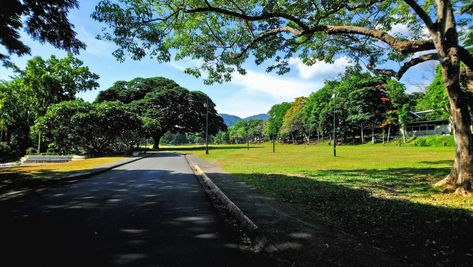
(427, 127)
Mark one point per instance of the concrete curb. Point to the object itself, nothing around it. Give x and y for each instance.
(259, 240)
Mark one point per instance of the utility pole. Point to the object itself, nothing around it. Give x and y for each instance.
(334, 127)
(206, 105)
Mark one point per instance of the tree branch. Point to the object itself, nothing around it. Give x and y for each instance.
(247, 17)
(415, 61)
(405, 47)
(421, 13)
(266, 35)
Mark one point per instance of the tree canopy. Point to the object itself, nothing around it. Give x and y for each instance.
(43, 20)
(165, 106)
(33, 89)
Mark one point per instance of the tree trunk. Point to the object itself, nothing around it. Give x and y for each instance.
(389, 133)
(362, 135)
(156, 139)
(383, 135)
(461, 174)
(372, 133)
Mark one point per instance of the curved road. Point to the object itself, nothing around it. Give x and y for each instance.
(152, 212)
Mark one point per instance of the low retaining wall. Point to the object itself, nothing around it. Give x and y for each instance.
(49, 158)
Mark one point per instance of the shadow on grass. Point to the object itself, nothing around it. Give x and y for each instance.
(195, 148)
(418, 234)
(391, 181)
(437, 162)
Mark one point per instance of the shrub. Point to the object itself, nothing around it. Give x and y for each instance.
(421, 142)
(31, 151)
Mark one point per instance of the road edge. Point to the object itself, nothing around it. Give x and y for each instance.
(95, 171)
(259, 241)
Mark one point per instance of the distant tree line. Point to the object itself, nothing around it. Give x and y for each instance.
(364, 105)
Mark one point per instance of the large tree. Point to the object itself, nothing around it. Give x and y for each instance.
(223, 34)
(165, 106)
(43, 20)
(276, 117)
(93, 128)
(33, 89)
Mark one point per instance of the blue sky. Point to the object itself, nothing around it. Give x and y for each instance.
(245, 95)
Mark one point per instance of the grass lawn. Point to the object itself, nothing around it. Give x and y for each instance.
(381, 193)
(17, 178)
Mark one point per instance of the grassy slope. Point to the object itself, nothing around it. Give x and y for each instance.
(381, 193)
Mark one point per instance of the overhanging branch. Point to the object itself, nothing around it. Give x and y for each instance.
(421, 13)
(415, 61)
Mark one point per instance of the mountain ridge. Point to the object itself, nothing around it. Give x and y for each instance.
(230, 120)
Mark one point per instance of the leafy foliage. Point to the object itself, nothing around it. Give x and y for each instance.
(29, 94)
(276, 117)
(165, 106)
(80, 127)
(44, 21)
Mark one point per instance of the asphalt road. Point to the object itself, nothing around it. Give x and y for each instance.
(152, 212)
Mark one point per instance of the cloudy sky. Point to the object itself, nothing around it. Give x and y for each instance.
(245, 95)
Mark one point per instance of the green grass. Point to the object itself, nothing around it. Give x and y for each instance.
(381, 193)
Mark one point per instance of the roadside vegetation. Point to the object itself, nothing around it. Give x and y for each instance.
(380, 193)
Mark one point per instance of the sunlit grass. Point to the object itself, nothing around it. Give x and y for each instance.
(381, 193)
(54, 170)
(391, 171)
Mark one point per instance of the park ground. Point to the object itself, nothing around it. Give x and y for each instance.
(380, 193)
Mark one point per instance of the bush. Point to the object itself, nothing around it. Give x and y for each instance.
(31, 151)
(421, 142)
(435, 140)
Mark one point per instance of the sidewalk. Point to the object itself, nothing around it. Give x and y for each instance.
(295, 239)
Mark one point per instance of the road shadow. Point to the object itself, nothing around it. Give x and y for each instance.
(122, 217)
(414, 233)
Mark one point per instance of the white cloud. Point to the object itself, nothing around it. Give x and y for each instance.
(400, 29)
(280, 88)
(95, 47)
(320, 70)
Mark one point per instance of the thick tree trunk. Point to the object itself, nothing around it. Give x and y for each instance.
(461, 174)
(156, 139)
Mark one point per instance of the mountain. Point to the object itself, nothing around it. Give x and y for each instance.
(230, 120)
(262, 116)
